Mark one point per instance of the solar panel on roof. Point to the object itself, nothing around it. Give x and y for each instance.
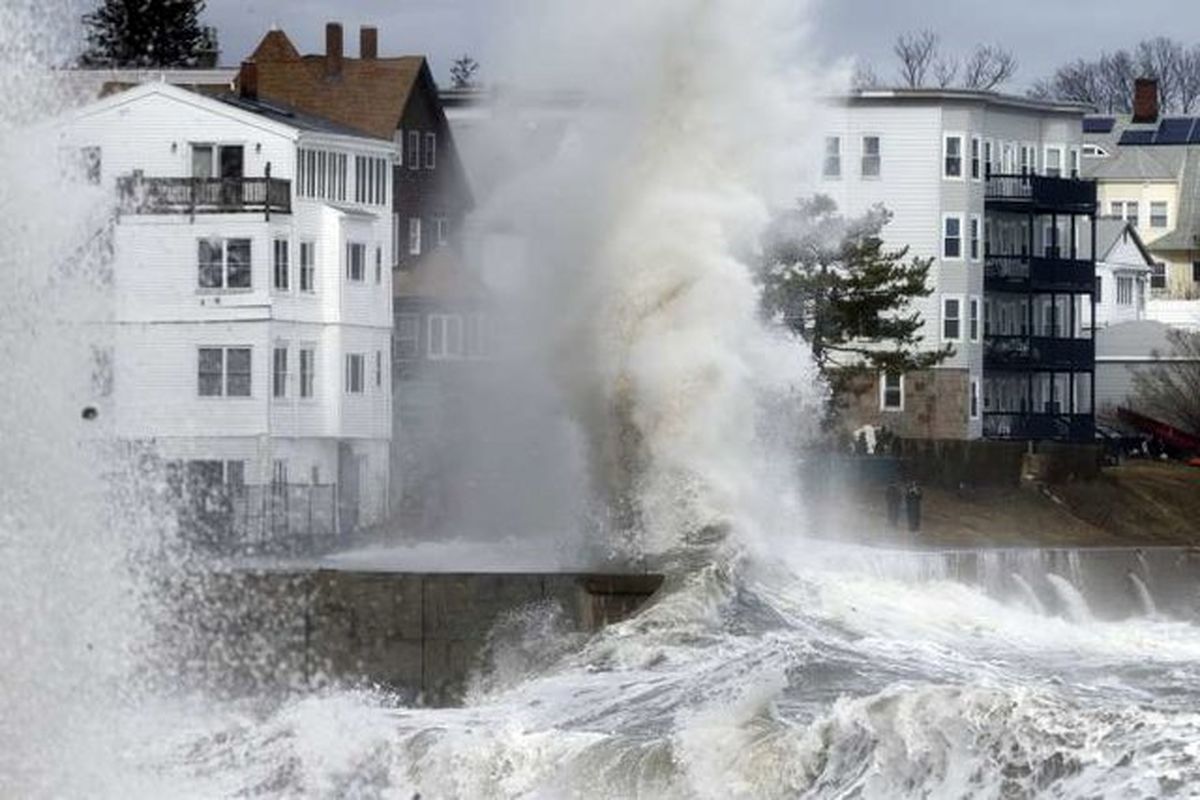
(1137, 137)
(1194, 136)
(1174, 131)
(1098, 124)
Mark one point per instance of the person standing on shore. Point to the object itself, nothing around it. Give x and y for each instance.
(912, 506)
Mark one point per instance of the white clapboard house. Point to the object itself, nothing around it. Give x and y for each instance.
(251, 289)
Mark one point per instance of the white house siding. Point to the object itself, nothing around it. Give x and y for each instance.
(162, 317)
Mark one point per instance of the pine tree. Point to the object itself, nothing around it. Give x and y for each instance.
(148, 33)
(832, 282)
(462, 73)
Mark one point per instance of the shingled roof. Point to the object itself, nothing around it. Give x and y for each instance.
(366, 94)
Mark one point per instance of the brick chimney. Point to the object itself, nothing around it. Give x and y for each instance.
(333, 50)
(248, 80)
(368, 43)
(1145, 100)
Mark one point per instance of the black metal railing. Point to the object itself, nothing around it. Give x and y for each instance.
(257, 519)
(1061, 427)
(138, 194)
(1044, 273)
(1071, 195)
(1038, 353)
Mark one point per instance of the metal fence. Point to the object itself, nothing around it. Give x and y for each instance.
(273, 519)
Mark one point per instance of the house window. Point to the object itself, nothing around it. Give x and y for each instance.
(430, 151)
(974, 230)
(1158, 215)
(308, 363)
(308, 267)
(988, 152)
(1073, 162)
(1024, 164)
(891, 391)
(974, 398)
(224, 263)
(475, 344)
(414, 236)
(378, 368)
(378, 264)
(1054, 162)
(356, 261)
(1196, 272)
(952, 150)
(1131, 213)
(976, 166)
(282, 269)
(871, 161)
(414, 150)
(1099, 289)
(279, 372)
(973, 320)
(355, 372)
(1158, 275)
(1124, 291)
(445, 336)
(408, 336)
(952, 319)
(395, 238)
(224, 372)
(442, 226)
(832, 167)
(952, 236)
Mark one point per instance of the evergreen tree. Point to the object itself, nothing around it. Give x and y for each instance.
(832, 282)
(462, 73)
(148, 33)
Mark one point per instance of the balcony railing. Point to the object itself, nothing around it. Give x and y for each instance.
(1024, 274)
(1041, 193)
(1038, 353)
(141, 195)
(1061, 427)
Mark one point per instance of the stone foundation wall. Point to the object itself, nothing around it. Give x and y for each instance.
(935, 405)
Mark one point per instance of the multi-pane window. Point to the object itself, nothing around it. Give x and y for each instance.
(279, 372)
(308, 357)
(974, 399)
(414, 236)
(430, 151)
(321, 174)
(832, 167)
(988, 151)
(445, 336)
(408, 336)
(952, 236)
(224, 263)
(1025, 159)
(1124, 291)
(891, 391)
(396, 237)
(1099, 289)
(871, 159)
(1196, 272)
(973, 320)
(378, 264)
(356, 261)
(1127, 210)
(378, 368)
(442, 226)
(953, 152)
(974, 238)
(370, 180)
(224, 372)
(355, 372)
(308, 267)
(282, 267)
(951, 319)
(1073, 162)
(414, 150)
(1158, 275)
(976, 156)
(1158, 215)
(1054, 162)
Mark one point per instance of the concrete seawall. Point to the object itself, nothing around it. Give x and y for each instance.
(418, 634)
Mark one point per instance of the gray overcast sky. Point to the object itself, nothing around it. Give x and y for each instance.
(1042, 33)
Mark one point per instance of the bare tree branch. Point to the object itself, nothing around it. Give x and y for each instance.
(945, 70)
(1171, 391)
(1189, 79)
(987, 67)
(916, 52)
(1161, 58)
(864, 76)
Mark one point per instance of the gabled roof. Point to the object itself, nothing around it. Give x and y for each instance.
(1186, 235)
(1136, 163)
(368, 95)
(1111, 231)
